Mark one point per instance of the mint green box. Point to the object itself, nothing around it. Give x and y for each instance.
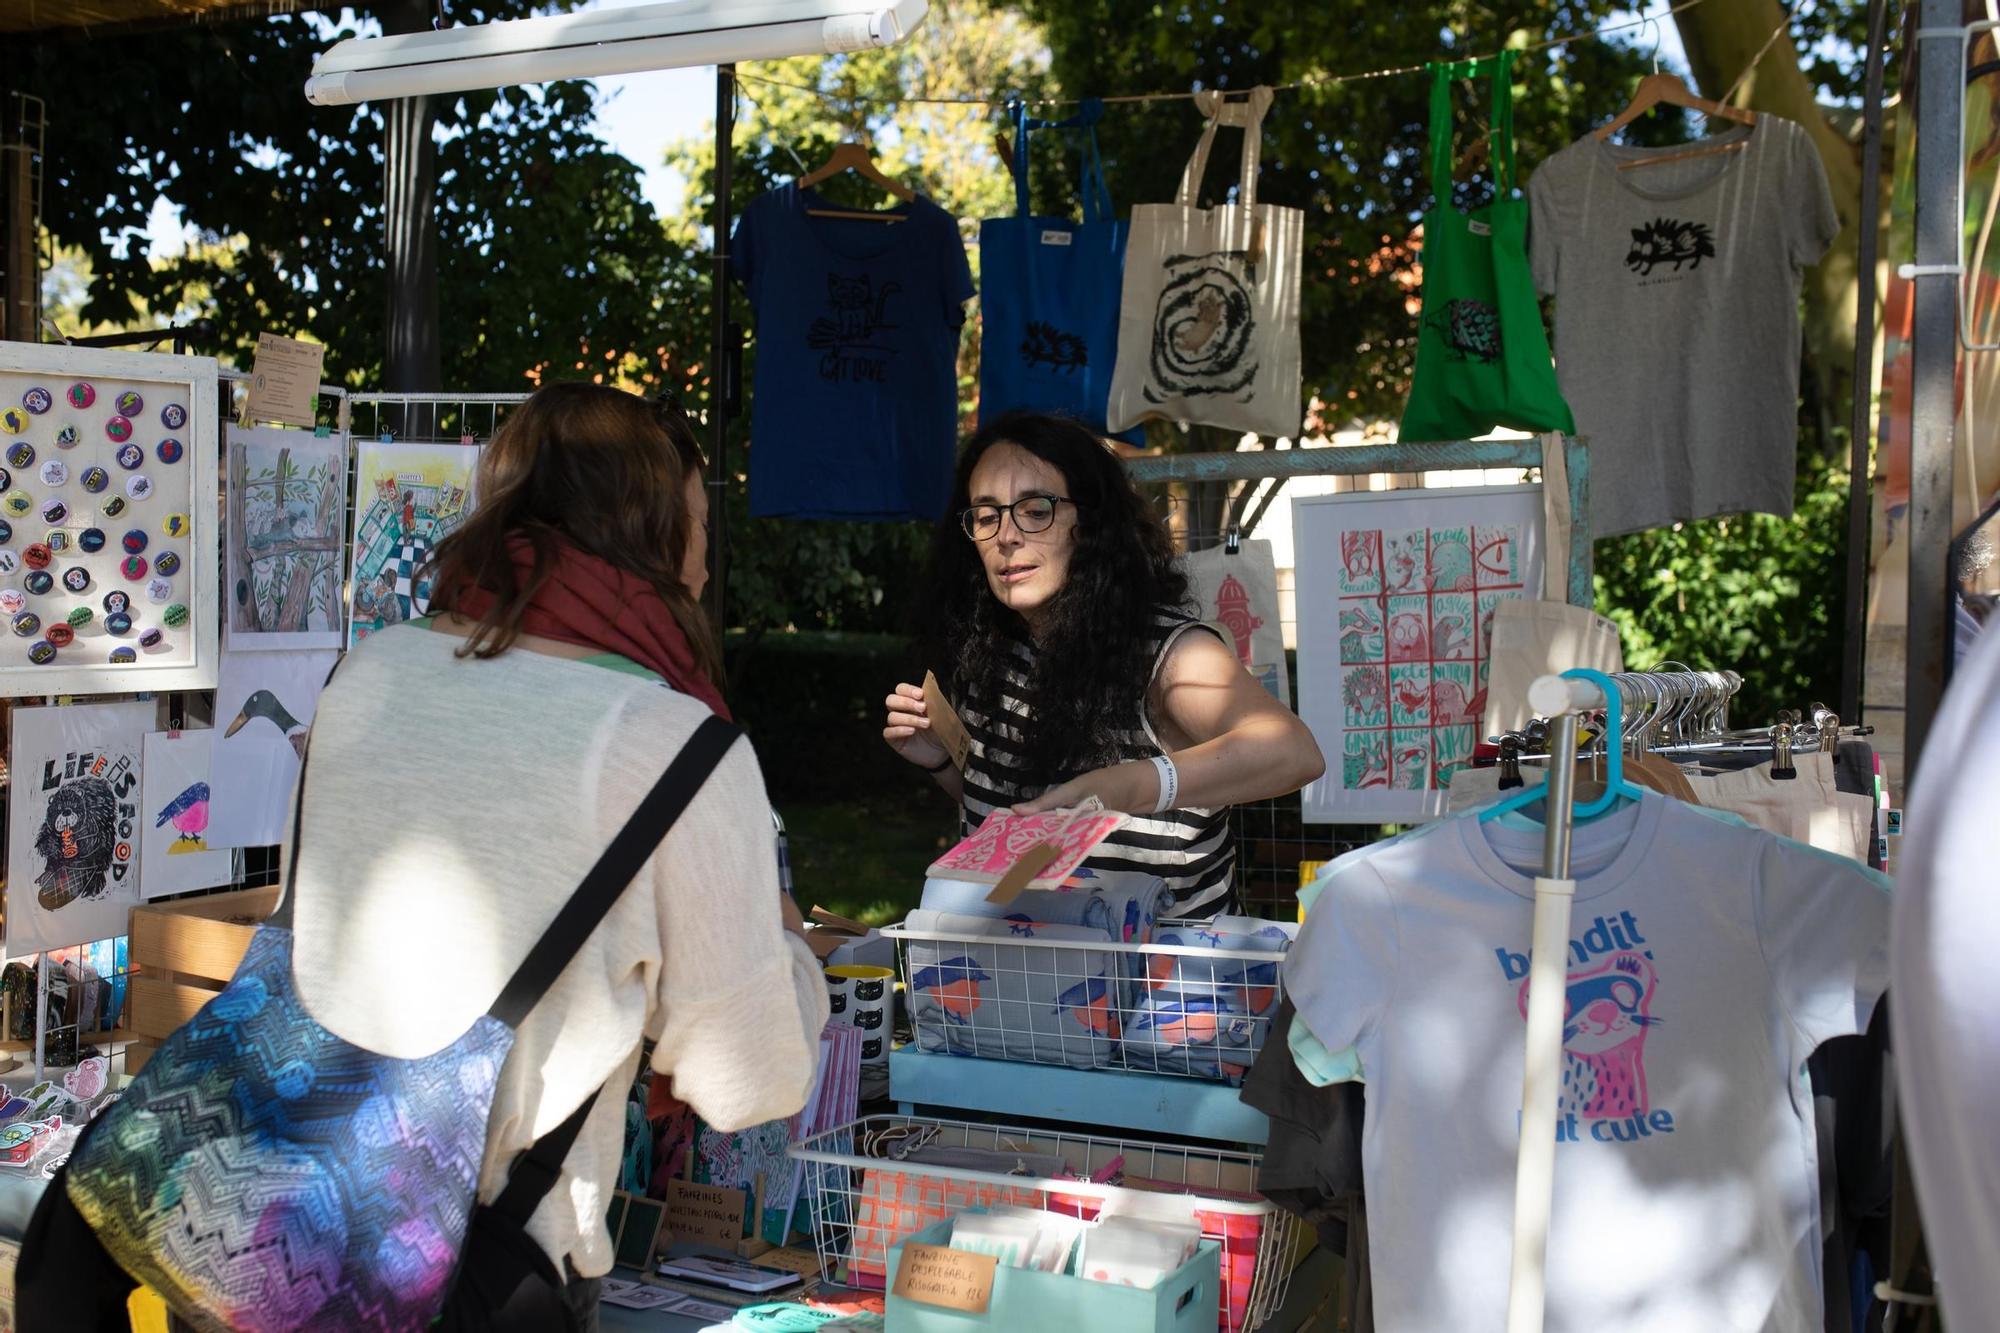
(1189, 1301)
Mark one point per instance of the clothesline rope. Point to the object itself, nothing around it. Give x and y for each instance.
(1321, 81)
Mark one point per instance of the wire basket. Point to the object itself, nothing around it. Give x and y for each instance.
(1183, 1005)
(867, 1192)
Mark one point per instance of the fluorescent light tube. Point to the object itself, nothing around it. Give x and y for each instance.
(603, 41)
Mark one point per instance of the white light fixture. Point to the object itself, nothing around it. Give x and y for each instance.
(603, 41)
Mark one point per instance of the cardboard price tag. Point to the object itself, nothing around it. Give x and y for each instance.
(945, 726)
(284, 381)
(705, 1214)
(940, 1275)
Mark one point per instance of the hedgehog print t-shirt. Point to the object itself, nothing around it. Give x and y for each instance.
(855, 406)
(1707, 960)
(1676, 286)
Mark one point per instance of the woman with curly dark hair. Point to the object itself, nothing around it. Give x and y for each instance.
(1058, 623)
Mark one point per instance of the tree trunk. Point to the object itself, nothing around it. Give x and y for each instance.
(1721, 41)
(413, 362)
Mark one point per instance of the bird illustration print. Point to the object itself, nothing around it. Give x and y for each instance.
(188, 812)
(264, 704)
(953, 985)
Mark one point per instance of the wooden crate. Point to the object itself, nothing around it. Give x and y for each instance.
(183, 953)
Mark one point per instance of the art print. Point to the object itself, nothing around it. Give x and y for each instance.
(176, 855)
(407, 499)
(1396, 595)
(263, 709)
(74, 823)
(287, 540)
(1236, 594)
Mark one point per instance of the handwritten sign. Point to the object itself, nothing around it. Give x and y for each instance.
(792, 1258)
(284, 381)
(945, 726)
(705, 1214)
(939, 1275)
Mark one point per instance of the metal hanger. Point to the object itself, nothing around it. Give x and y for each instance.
(855, 157)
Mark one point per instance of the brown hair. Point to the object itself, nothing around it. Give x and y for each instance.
(605, 471)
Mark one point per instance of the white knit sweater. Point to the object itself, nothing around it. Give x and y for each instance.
(452, 805)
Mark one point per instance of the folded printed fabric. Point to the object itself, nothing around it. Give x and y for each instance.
(897, 1201)
(1207, 1016)
(1122, 906)
(986, 992)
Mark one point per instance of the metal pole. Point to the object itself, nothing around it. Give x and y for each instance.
(1556, 810)
(1934, 361)
(719, 359)
(1853, 649)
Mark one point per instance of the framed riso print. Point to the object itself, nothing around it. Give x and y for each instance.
(108, 543)
(1396, 591)
(407, 499)
(286, 542)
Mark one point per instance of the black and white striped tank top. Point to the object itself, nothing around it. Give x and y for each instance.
(1192, 849)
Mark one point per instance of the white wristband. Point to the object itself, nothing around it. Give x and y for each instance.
(1170, 783)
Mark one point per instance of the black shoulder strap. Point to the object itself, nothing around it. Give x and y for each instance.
(621, 861)
(535, 1171)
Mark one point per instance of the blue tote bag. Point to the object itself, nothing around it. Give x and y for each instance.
(1049, 292)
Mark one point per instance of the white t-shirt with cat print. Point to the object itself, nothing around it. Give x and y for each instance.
(1707, 960)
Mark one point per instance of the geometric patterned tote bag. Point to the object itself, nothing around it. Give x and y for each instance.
(263, 1174)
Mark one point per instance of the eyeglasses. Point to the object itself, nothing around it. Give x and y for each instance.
(1032, 513)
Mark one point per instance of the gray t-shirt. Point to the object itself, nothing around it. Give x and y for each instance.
(1677, 317)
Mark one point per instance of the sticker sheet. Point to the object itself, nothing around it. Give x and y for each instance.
(408, 498)
(73, 823)
(263, 708)
(1396, 594)
(175, 854)
(287, 540)
(107, 548)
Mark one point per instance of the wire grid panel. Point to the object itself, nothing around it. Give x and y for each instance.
(1182, 1005)
(424, 418)
(874, 1182)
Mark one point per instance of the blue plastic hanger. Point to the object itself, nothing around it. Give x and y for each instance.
(1615, 786)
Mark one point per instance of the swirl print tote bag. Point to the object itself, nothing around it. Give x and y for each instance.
(1208, 324)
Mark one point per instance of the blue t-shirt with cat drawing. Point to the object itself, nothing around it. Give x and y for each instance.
(855, 411)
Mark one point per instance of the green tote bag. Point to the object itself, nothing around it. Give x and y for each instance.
(1482, 354)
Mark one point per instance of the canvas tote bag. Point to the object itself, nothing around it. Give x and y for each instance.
(1482, 353)
(1236, 592)
(1208, 325)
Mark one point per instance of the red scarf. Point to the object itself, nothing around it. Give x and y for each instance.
(591, 602)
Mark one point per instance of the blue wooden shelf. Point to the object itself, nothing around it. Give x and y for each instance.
(1109, 1098)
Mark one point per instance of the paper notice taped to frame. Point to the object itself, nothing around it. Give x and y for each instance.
(284, 381)
(939, 1275)
(945, 726)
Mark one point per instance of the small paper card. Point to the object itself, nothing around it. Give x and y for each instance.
(796, 1259)
(950, 732)
(705, 1214)
(638, 1296)
(284, 381)
(1016, 852)
(940, 1275)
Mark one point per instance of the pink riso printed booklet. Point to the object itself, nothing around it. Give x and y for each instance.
(1017, 852)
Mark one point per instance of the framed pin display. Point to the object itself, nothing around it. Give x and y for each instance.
(108, 501)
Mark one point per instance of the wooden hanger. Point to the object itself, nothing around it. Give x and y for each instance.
(1659, 89)
(854, 157)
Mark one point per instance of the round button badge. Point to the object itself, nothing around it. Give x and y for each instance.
(17, 503)
(94, 479)
(129, 403)
(167, 563)
(174, 525)
(77, 579)
(81, 394)
(61, 635)
(134, 541)
(39, 581)
(12, 600)
(37, 556)
(42, 652)
(114, 506)
(139, 487)
(123, 655)
(58, 539)
(173, 416)
(91, 539)
(54, 511)
(6, 531)
(133, 567)
(80, 617)
(14, 420)
(67, 437)
(55, 472)
(159, 590)
(38, 400)
(176, 616)
(9, 561)
(21, 455)
(117, 430)
(130, 457)
(151, 638)
(114, 602)
(118, 623)
(169, 451)
(26, 623)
